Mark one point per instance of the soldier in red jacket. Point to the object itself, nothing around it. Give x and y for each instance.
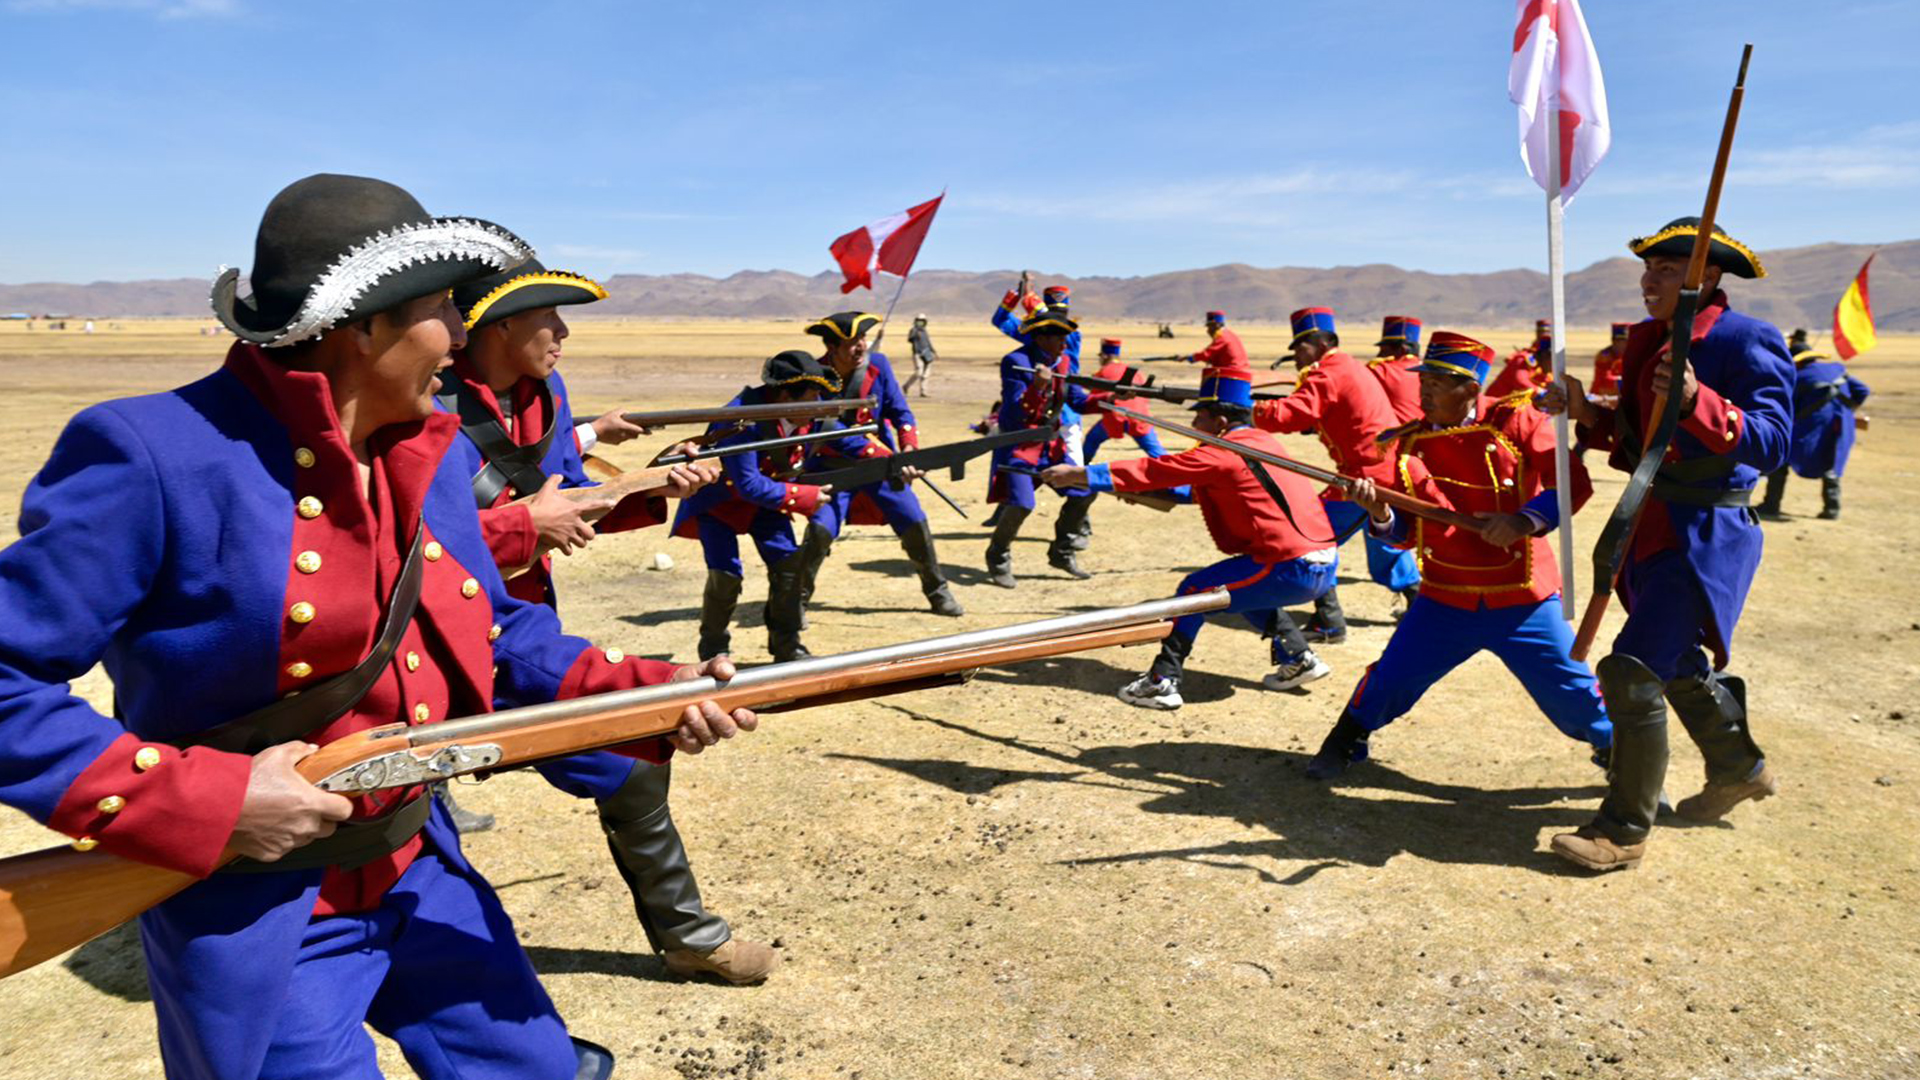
(1399, 343)
(1268, 522)
(1224, 355)
(1496, 588)
(1346, 407)
(1607, 364)
(1530, 368)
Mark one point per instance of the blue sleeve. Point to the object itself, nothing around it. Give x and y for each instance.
(1547, 506)
(1857, 392)
(563, 456)
(1762, 386)
(743, 470)
(1100, 477)
(1008, 323)
(1013, 387)
(893, 407)
(93, 539)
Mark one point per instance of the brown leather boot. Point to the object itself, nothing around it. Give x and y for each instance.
(735, 961)
(1590, 848)
(1715, 800)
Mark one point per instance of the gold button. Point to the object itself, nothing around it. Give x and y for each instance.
(434, 551)
(413, 660)
(303, 457)
(1729, 435)
(112, 804)
(493, 632)
(309, 507)
(469, 588)
(421, 712)
(301, 612)
(146, 758)
(299, 669)
(307, 561)
(85, 843)
(496, 671)
(614, 656)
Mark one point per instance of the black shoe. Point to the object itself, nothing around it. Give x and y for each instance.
(596, 1061)
(1069, 562)
(1324, 635)
(1345, 746)
(464, 821)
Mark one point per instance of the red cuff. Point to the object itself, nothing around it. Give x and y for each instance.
(875, 448)
(801, 499)
(1714, 421)
(1011, 300)
(909, 437)
(156, 804)
(510, 535)
(600, 671)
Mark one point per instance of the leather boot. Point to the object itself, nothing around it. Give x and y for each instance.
(1344, 746)
(784, 581)
(1083, 537)
(1617, 837)
(1000, 544)
(651, 858)
(816, 544)
(722, 595)
(465, 821)
(1829, 496)
(1061, 554)
(917, 541)
(1769, 507)
(1713, 707)
(595, 1061)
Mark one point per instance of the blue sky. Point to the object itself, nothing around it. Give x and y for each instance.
(143, 137)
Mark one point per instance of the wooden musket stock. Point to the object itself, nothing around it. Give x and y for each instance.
(59, 898)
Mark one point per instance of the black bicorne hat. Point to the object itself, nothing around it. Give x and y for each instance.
(524, 288)
(798, 366)
(333, 249)
(843, 326)
(1049, 320)
(1675, 239)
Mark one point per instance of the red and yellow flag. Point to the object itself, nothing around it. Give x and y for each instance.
(1853, 317)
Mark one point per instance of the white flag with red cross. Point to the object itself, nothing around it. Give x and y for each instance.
(1554, 60)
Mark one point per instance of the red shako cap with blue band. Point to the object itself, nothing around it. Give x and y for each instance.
(1457, 354)
(1307, 320)
(1620, 330)
(1056, 295)
(1225, 390)
(1400, 330)
(1217, 317)
(1109, 346)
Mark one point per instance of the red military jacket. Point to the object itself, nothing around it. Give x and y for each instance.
(1241, 516)
(1524, 371)
(1607, 365)
(1224, 355)
(1499, 462)
(1117, 426)
(1401, 383)
(1337, 398)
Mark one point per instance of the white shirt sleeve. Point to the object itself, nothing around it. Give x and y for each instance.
(586, 437)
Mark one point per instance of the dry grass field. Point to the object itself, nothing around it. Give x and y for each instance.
(1024, 877)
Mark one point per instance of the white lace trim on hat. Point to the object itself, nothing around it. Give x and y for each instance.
(388, 252)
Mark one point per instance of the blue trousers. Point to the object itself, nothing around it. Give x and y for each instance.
(437, 968)
(1670, 619)
(899, 507)
(1531, 639)
(772, 534)
(1255, 590)
(591, 776)
(1390, 566)
(1149, 443)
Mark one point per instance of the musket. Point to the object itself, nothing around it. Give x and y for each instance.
(58, 898)
(1147, 499)
(1408, 503)
(1609, 553)
(950, 456)
(747, 414)
(1150, 389)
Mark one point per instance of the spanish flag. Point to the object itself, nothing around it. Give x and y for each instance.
(1853, 317)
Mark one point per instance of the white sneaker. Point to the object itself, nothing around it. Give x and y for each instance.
(1300, 672)
(1151, 693)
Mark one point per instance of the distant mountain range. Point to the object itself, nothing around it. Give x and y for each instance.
(1800, 290)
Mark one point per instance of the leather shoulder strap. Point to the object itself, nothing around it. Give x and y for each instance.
(314, 708)
(508, 463)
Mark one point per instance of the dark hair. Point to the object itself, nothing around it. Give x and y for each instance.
(1232, 414)
(1326, 338)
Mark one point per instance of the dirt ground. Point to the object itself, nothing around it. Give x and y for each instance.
(1024, 877)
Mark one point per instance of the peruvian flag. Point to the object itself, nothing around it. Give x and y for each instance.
(1554, 60)
(890, 244)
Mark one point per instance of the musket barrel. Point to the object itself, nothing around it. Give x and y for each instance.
(767, 444)
(790, 410)
(694, 689)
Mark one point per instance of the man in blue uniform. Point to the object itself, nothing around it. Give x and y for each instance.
(754, 500)
(229, 550)
(1694, 552)
(520, 445)
(1016, 309)
(1825, 398)
(869, 375)
(1034, 393)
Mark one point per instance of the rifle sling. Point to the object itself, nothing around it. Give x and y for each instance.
(508, 463)
(1267, 481)
(1829, 392)
(352, 844)
(314, 708)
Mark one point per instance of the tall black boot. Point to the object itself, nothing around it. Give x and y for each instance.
(652, 860)
(1000, 544)
(917, 540)
(1830, 496)
(816, 544)
(464, 820)
(1713, 708)
(1769, 507)
(1637, 705)
(1344, 746)
(722, 595)
(1061, 554)
(785, 579)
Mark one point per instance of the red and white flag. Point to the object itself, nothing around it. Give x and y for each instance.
(890, 244)
(1554, 59)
